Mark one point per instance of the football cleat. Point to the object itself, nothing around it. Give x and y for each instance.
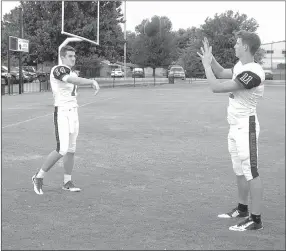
(234, 213)
(247, 224)
(69, 186)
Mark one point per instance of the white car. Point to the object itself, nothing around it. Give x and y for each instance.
(177, 71)
(117, 73)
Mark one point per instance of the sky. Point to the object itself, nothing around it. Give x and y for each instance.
(270, 15)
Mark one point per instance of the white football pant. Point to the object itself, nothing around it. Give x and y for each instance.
(243, 147)
(66, 129)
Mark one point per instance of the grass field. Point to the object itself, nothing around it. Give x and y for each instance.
(154, 170)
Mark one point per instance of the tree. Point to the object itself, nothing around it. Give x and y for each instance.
(130, 37)
(154, 43)
(42, 27)
(139, 51)
(221, 31)
(259, 55)
(187, 43)
(188, 57)
(184, 38)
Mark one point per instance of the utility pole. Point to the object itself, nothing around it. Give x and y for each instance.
(9, 67)
(8, 55)
(145, 26)
(160, 26)
(21, 89)
(125, 39)
(271, 54)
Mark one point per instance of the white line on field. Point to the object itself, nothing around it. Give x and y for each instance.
(28, 120)
(24, 121)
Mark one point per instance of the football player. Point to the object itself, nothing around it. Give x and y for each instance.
(245, 88)
(64, 82)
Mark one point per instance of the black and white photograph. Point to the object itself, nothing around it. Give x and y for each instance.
(143, 125)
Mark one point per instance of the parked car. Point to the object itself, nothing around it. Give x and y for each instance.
(30, 70)
(14, 72)
(36, 74)
(5, 74)
(27, 76)
(268, 74)
(117, 73)
(177, 71)
(138, 73)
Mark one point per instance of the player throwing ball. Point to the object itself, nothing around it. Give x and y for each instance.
(64, 84)
(245, 88)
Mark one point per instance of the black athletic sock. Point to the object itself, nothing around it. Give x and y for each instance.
(256, 218)
(242, 208)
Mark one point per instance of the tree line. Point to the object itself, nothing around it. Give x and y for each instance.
(153, 44)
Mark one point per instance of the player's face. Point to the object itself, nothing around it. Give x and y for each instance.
(69, 58)
(239, 48)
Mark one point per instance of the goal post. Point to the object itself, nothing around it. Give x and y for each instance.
(73, 37)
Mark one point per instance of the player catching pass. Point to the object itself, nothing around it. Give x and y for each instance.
(64, 84)
(244, 88)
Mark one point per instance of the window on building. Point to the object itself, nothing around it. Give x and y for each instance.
(283, 52)
(269, 51)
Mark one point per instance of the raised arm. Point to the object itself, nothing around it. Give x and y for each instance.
(219, 71)
(215, 84)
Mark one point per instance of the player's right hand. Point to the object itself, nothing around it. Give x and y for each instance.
(206, 55)
(207, 46)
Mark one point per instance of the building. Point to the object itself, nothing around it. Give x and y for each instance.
(275, 55)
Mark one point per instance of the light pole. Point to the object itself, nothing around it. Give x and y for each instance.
(125, 39)
(21, 35)
(147, 21)
(21, 86)
(160, 26)
(271, 54)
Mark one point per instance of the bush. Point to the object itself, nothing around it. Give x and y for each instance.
(281, 66)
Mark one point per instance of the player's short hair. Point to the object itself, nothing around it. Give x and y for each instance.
(251, 39)
(64, 50)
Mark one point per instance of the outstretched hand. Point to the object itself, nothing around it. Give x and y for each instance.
(206, 55)
(95, 93)
(96, 87)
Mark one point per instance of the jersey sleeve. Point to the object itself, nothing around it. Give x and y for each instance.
(60, 72)
(248, 79)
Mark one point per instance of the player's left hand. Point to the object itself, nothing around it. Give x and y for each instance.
(96, 87)
(95, 93)
(206, 55)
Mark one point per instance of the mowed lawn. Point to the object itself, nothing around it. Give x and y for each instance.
(154, 170)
